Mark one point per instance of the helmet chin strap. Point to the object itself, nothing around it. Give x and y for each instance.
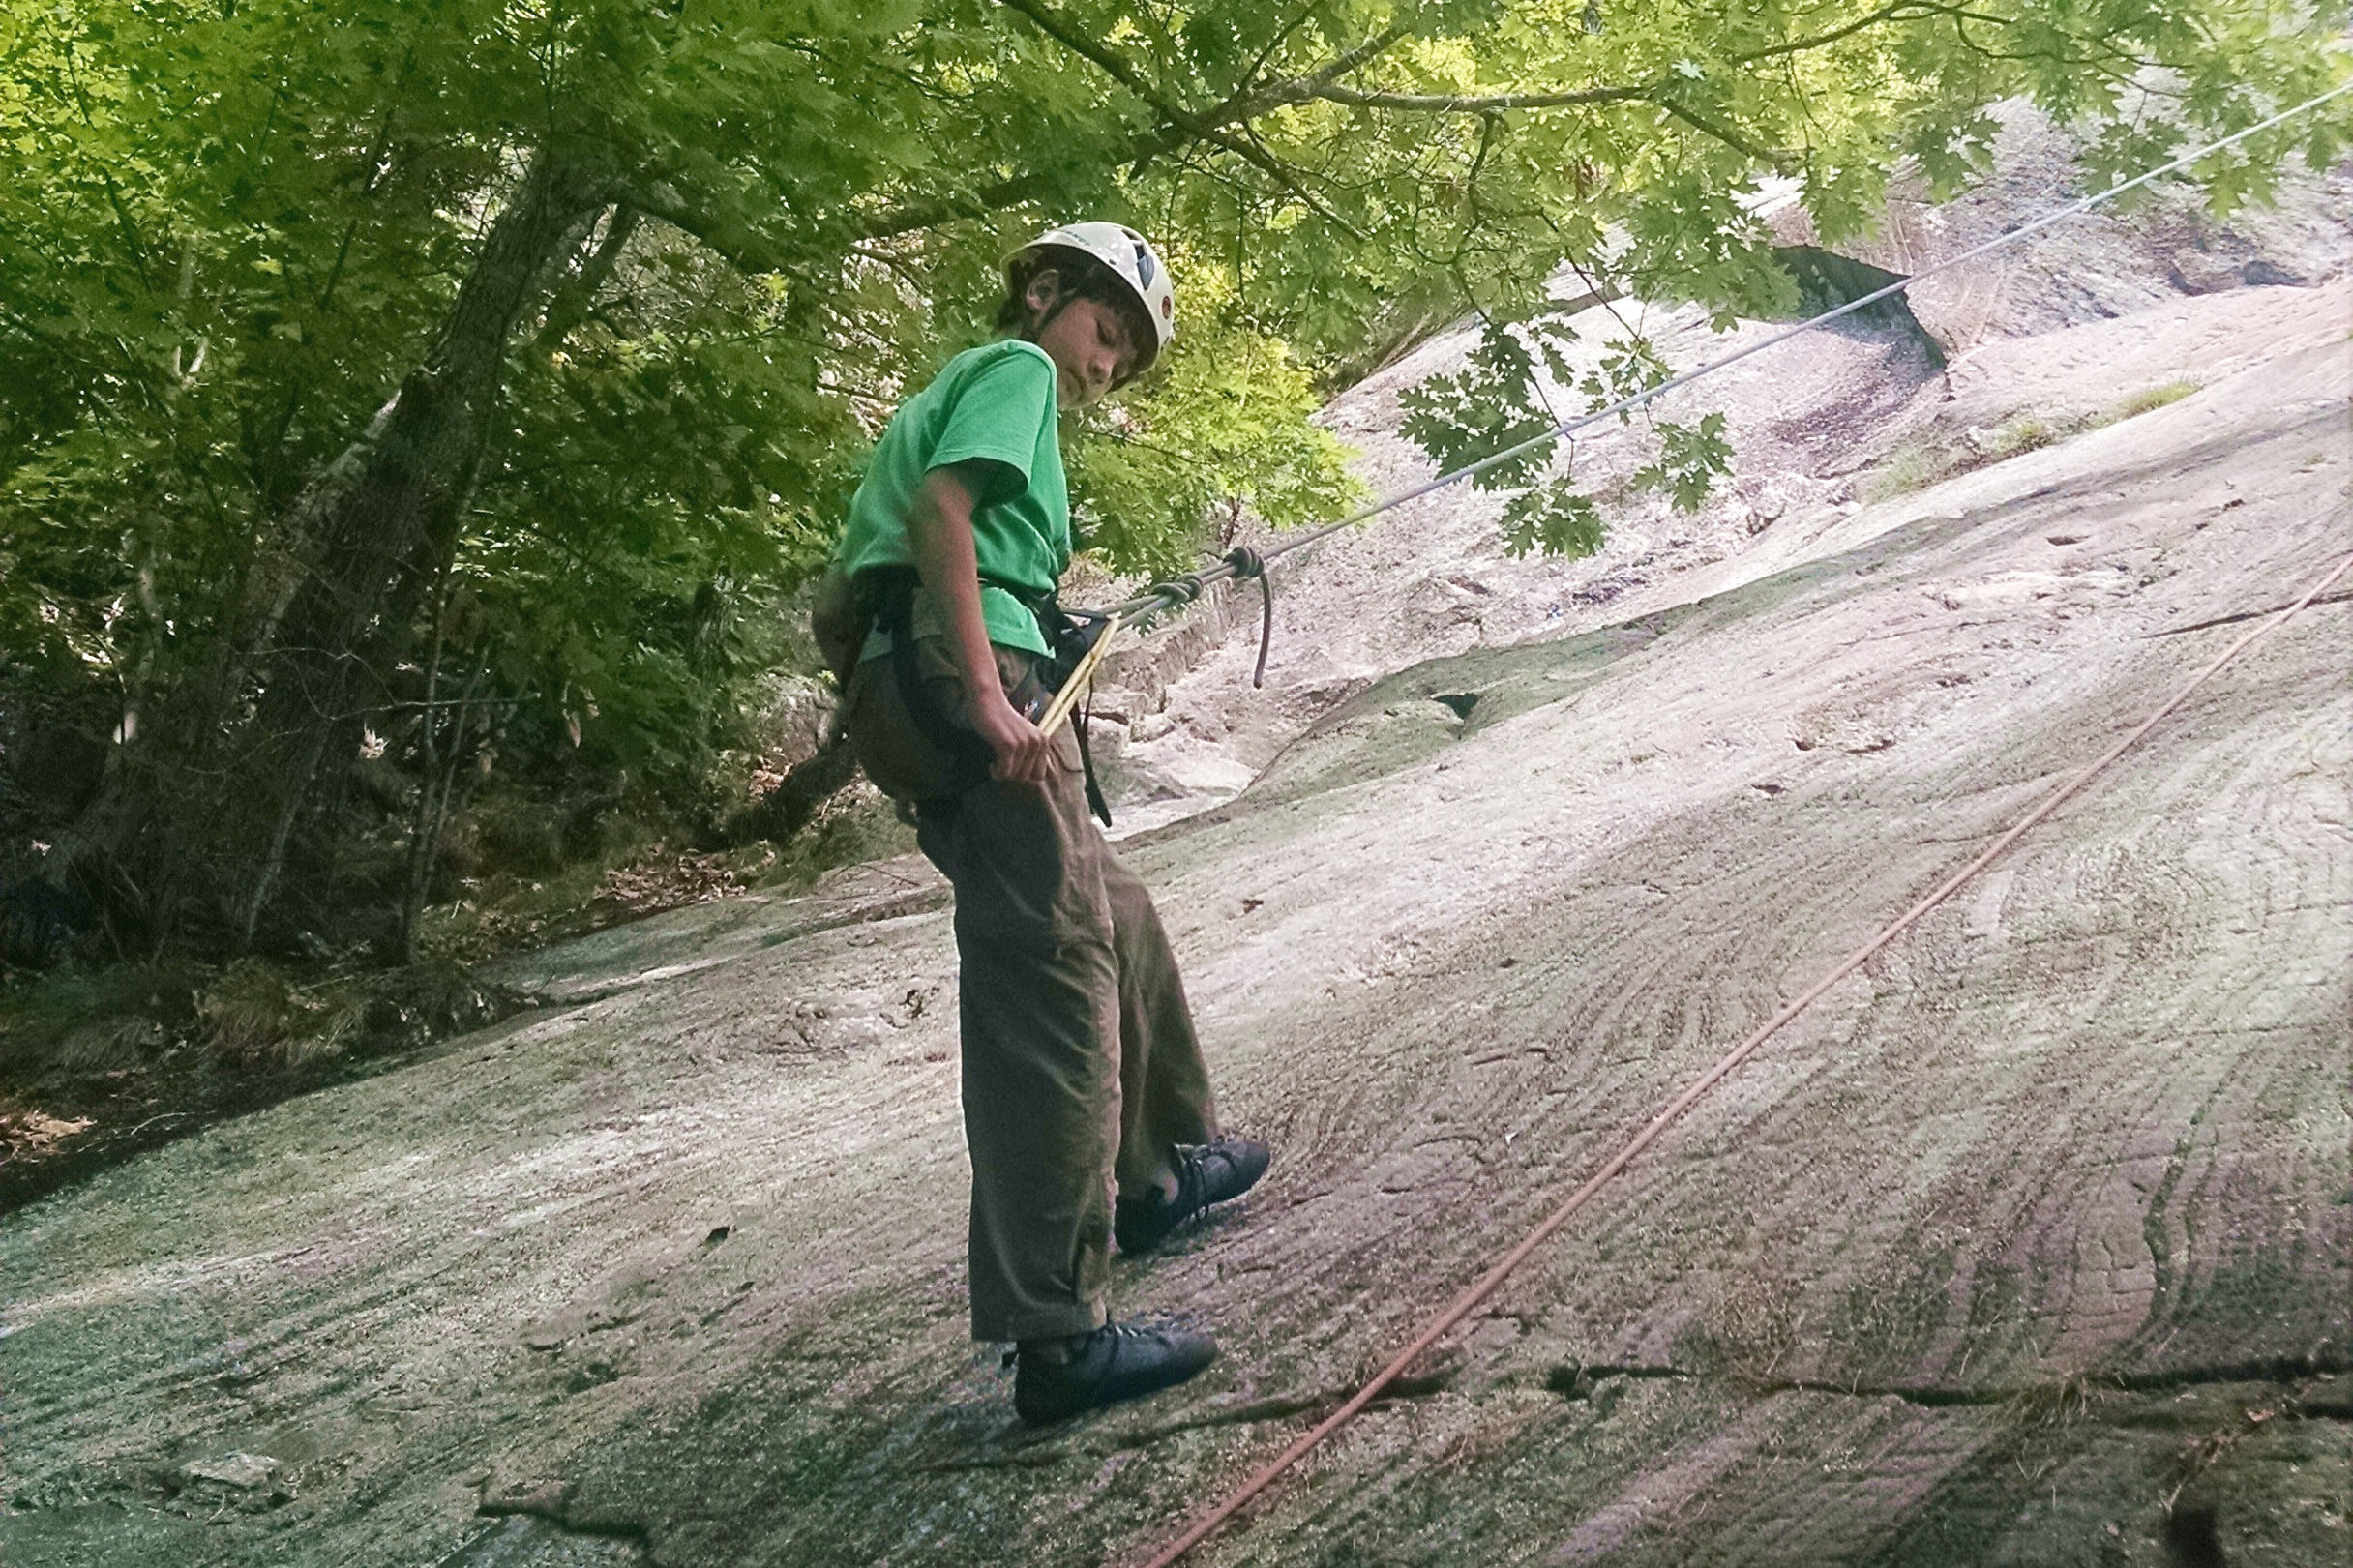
(1061, 302)
(1063, 299)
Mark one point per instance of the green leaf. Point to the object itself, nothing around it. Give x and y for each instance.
(1553, 519)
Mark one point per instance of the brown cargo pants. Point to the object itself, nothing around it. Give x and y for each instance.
(1080, 1066)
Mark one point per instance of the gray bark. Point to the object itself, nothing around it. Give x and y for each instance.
(223, 789)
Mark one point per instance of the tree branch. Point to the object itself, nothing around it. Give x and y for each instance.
(1343, 64)
(1919, 10)
(1251, 152)
(1469, 103)
(1723, 134)
(571, 304)
(755, 252)
(1247, 102)
(932, 211)
(1324, 84)
(1281, 37)
(1109, 63)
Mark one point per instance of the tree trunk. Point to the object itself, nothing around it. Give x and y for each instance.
(223, 789)
(806, 786)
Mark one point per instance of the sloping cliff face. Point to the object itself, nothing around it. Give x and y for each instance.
(2029, 1244)
(2060, 331)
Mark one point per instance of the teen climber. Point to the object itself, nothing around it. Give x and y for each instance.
(1079, 1065)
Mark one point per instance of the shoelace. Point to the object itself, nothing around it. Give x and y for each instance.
(1120, 1335)
(1193, 1177)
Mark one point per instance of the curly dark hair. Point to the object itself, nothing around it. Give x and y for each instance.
(1082, 278)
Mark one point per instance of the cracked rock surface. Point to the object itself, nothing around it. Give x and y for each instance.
(2030, 1243)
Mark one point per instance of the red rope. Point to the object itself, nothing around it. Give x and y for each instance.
(1464, 1304)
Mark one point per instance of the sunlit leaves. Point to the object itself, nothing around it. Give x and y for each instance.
(1552, 518)
(1492, 406)
(230, 234)
(1714, 95)
(1222, 431)
(1692, 459)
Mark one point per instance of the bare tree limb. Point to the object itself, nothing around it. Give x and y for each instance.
(1724, 134)
(571, 304)
(1470, 102)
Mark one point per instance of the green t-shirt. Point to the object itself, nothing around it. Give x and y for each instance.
(993, 405)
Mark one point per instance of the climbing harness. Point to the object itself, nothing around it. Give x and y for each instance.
(886, 597)
(1078, 683)
(1463, 1304)
(1076, 641)
(1067, 696)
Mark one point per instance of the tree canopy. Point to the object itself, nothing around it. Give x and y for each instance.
(397, 392)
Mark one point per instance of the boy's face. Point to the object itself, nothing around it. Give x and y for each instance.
(1089, 344)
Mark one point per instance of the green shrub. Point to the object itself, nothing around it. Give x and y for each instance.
(2149, 399)
(1910, 468)
(2022, 433)
(84, 1022)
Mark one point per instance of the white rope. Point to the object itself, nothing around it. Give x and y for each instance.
(1155, 601)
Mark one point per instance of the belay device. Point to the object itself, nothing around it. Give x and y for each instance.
(883, 599)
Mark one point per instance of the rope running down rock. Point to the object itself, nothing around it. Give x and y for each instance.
(1207, 1522)
(1464, 1304)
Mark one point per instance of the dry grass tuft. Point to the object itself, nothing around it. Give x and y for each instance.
(28, 1132)
(2149, 399)
(89, 1023)
(255, 1017)
(1747, 1330)
(2054, 1406)
(108, 1045)
(1911, 468)
(2022, 434)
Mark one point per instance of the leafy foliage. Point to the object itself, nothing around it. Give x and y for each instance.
(245, 235)
(1223, 428)
(1691, 457)
(1493, 405)
(1552, 518)
(1837, 97)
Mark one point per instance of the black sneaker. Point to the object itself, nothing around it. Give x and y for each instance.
(1059, 1378)
(1206, 1173)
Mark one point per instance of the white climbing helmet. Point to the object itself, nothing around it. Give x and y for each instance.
(1132, 260)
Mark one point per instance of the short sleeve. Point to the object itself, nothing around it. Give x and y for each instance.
(999, 413)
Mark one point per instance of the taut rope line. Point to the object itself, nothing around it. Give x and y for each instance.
(1168, 596)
